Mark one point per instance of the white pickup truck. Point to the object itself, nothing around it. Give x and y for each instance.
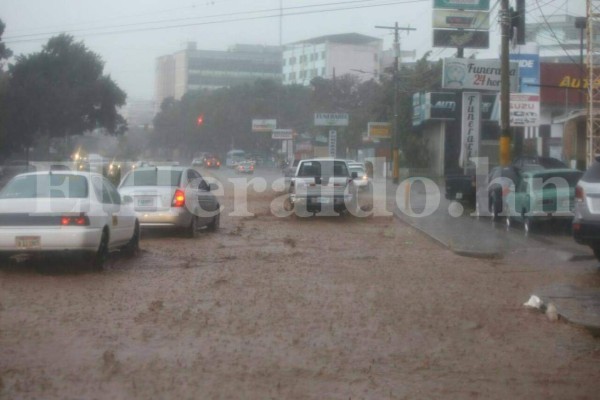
(322, 185)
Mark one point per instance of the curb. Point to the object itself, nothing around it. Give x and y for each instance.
(486, 255)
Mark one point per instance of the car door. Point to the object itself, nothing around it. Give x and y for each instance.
(206, 200)
(123, 215)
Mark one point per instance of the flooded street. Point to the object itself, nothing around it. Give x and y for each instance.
(273, 307)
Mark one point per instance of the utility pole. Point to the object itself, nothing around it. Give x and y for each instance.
(396, 133)
(505, 22)
(593, 75)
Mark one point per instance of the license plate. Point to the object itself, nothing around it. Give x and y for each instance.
(28, 242)
(323, 200)
(458, 196)
(145, 202)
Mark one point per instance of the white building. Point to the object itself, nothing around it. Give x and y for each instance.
(332, 55)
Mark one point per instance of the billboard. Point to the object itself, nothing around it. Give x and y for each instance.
(379, 130)
(482, 5)
(462, 73)
(263, 125)
(528, 58)
(461, 38)
(331, 119)
(282, 134)
(460, 19)
(440, 105)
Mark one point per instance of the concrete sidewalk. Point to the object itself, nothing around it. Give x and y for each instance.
(470, 236)
(450, 224)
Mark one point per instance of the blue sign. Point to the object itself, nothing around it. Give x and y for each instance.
(529, 72)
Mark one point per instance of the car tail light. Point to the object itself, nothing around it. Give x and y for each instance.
(208, 163)
(79, 220)
(178, 198)
(218, 164)
(579, 193)
(252, 168)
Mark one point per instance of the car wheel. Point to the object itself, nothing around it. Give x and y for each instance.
(507, 220)
(215, 223)
(288, 205)
(132, 249)
(99, 257)
(192, 229)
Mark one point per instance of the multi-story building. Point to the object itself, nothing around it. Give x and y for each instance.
(193, 69)
(557, 37)
(332, 55)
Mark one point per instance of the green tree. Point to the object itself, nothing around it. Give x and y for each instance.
(61, 91)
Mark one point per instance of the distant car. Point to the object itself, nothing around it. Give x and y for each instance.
(172, 197)
(212, 162)
(245, 167)
(198, 162)
(362, 181)
(586, 222)
(542, 195)
(62, 211)
(322, 182)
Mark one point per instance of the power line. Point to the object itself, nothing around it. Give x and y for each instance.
(554, 34)
(23, 38)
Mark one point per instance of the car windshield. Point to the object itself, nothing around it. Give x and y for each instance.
(323, 168)
(46, 186)
(359, 170)
(153, 177)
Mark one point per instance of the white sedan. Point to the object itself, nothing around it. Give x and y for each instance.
(64, 211)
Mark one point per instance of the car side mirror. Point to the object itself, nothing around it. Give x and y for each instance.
(213, 186)
(354, 175)
(127, 199)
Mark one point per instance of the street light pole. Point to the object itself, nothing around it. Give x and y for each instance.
(396, 130)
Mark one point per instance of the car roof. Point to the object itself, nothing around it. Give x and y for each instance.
(162, 167)
(550, 171)
(325, 159)
(61, 172)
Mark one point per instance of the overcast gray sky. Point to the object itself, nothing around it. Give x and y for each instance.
(129, 34)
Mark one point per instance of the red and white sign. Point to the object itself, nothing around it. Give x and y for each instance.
(524, 109)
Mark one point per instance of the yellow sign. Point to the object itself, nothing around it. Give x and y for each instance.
(379, 130)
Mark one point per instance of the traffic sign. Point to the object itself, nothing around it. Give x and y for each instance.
(332, 143)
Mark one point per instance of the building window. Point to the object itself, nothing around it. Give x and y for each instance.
(292, 76)
(322, 55)
(292, 60)
(375, 57)
(323, 71)
(283, 62)
(302, 59)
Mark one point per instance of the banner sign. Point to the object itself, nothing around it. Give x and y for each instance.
(461, 38)
(331, 119)
(282, 134)
(471, 126)
(379, 130)
(263, 125)
(482, 5)
(460, 19)
(332, 143)
(463, 73)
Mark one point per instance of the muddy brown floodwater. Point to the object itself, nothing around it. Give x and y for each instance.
(268, 307)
